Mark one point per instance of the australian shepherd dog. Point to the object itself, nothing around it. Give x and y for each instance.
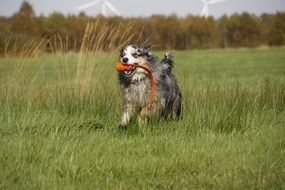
(135, 86)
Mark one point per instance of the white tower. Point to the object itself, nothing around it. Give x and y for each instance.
(205, 10)
(104, 5)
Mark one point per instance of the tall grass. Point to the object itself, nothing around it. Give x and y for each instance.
(68, 77)
(60, 110)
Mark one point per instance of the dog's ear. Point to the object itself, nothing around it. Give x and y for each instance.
(123, 47)
(121, 52)
(144, 50)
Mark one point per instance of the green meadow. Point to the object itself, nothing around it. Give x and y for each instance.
(59, 116)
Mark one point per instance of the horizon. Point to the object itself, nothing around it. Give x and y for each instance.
(146, 9)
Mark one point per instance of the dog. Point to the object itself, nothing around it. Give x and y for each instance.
(135, 86)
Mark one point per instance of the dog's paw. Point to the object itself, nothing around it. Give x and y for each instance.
(121, 126)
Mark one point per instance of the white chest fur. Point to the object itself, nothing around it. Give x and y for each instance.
(138, 92)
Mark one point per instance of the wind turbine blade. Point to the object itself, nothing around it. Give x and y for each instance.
(104, 12)
(205, 11)
(87, 5)
(112, 8)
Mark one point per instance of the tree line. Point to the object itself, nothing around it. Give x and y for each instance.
(164, 32)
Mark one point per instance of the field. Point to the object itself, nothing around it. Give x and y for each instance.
(60, 112)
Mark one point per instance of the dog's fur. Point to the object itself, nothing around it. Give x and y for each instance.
(135, 86)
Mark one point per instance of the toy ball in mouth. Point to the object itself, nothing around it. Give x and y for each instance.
(128, 69)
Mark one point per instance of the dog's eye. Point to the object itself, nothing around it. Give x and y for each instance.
(122, 54)
(135, 55)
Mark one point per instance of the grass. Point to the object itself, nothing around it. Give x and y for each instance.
(58, 128)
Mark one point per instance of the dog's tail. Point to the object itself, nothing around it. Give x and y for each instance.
(167, 62)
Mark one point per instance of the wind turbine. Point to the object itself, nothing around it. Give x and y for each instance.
(205, 10)
(104, 3)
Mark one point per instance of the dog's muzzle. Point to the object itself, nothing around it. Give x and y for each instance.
(130, 72)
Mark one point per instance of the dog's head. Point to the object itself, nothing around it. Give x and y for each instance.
(134, 54)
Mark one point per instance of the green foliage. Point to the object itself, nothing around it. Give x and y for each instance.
(24, 21)
(164, 32)
(277, 31)
(59, 130)
(244, 31)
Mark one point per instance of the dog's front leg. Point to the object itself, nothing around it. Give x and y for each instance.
(126, 117)
(143, 116)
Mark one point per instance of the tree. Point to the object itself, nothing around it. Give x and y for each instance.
(3, 33)
(244, 31)
(24, 21)
(54, 24)
(164, 32)
(277, 31)
(222, 32)
(203, 32)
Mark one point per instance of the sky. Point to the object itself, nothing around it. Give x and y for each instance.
(144, 8)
